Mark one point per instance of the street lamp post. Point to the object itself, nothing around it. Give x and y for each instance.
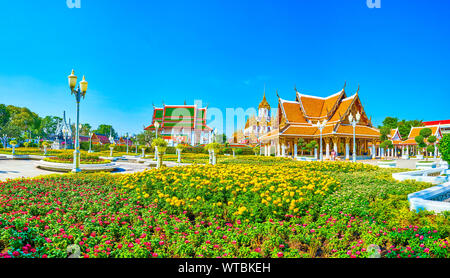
(156, 147)
(353, 121)
(321, 126)
(79, 92)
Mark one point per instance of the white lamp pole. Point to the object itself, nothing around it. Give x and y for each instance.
(321, 126)
(353, 121)
(156, 147)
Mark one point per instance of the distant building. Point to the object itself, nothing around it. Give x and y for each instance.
(256, 126)
(181, 124)
(444, 124)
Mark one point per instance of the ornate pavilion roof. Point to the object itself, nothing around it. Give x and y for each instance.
(297, 118)
(179, 116)
(415, 131)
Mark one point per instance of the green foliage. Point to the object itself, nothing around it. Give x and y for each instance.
(444, 147)
(106, 130)
(425, 132)
(159, 142)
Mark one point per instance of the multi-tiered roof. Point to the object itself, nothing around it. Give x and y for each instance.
(298, 118)
(188, 117)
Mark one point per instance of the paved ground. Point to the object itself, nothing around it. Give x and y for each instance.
(401, 163)
(11, 169)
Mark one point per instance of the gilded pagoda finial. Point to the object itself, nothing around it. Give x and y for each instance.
(264, 103)
(357, 90)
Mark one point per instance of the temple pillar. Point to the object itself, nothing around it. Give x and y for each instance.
(283, 149)
(327, 148)
(295, 150)
(347, 148)
(374, 151)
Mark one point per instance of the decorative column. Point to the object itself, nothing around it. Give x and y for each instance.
(347, 148)
(435, 150)
(295, 150)
(374, 151)
(315, 153)
(327, 148)
(283, 149)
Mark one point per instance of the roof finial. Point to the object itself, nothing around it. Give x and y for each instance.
(345, 84)
(295, 88)
(277, 93)
(184, 102)
(357, 90)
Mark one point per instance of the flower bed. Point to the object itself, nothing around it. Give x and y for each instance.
(84, 159)
(233, 210)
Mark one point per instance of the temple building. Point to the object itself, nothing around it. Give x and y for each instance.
(299, 118)
(256, 125)
(409, 147)
(184, 124)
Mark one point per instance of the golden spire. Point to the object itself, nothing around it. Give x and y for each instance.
(264, 103)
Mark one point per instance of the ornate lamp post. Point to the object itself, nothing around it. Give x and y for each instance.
(321, 126)
(135, 142)
(79, 92)
(353, 121)
(156, 147)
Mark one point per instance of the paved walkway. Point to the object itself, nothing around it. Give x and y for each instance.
(12, 169)
(401, 163)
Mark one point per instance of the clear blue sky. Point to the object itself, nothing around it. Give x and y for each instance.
(135, 53)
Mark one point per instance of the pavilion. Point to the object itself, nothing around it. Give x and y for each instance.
(409, 147)
(181, 124)
(298, 119)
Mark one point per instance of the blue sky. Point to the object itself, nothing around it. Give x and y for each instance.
(135, 53)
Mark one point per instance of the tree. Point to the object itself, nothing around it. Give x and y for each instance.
(145, 137)
(256, 150)
(384, 131)
(444, 147)
(106, 130)
(387, 144)
(48, 126)
(301, 144)
(420, 139)
(390, 122)
(311, 146)
(85, 129)
(161, 146)
(4, 116)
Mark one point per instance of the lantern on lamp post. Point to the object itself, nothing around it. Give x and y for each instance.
(321, 126)
(79, 92)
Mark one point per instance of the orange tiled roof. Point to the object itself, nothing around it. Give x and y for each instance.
(317, 107)
(342, 109)
(415, 131)
(293, 112)
(359, 130)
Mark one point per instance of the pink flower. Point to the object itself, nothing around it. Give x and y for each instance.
(280, 254)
